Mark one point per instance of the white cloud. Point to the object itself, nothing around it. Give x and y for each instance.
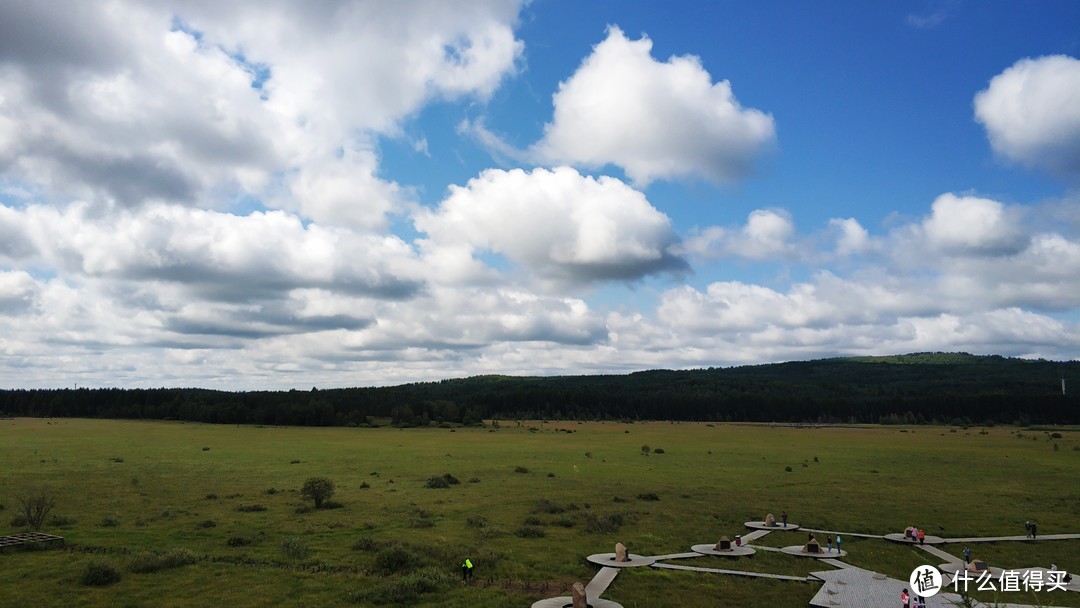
(974, 225)
(1031, 112)
(654, 120)
(558, 224)
(851, 237)
(768, 234)
(218, 101)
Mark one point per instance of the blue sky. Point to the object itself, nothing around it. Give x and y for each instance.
(271, 195)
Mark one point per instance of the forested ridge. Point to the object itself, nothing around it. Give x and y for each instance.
(926, 387)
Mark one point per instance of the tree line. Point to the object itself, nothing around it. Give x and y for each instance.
(951, 388)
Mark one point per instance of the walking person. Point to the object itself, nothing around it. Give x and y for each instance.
(466, 570)
(905, 600)
(967, 556)
(828, 543)
(783, 516)
(922, 536)
(1027, 529)
(1034, 528)
(838, 543)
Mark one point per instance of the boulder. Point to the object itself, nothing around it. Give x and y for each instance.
(620, 553)
(577, 593)
(770, 521)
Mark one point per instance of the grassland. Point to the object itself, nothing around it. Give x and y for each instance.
(125, 490)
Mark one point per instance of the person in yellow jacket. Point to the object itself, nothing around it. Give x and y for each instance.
(466, 570)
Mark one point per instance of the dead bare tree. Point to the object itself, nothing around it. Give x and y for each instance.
(35, 506)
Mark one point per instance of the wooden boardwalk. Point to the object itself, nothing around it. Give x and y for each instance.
(29, 538)
(994, 539)
(779, 577)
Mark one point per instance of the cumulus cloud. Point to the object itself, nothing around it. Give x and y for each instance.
(768, 234)
(851, 237)
(655, 120)
(558, 224)
(218, 101)
(1031, 112)
(973, 225)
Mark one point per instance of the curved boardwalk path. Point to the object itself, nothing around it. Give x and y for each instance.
(846, 587)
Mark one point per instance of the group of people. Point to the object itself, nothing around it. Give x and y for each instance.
(906, 600)
(915, 534)
(828, 541)
(1031, 528)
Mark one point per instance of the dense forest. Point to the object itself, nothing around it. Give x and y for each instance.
(919, 388)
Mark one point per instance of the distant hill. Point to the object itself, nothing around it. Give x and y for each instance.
(955, 388)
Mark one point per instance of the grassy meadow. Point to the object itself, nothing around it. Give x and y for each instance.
(208, 515)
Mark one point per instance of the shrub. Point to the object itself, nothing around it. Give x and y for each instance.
(110, 521)
(619, 499)
(211, 496)
(658, 451)
(18, 522)
(271, 491)
(788, 469)
(474, 480)
(651, 496)
(644, 450)
(237, 541)
(476, 521)
(530, 532)
(403, 590)
(437, 483)
(35, 506)
(563, 522)
(294, 462)
(421, 523)
(99, 574)
(365, 485)
(521, 470)
(251, 508)
(548, 506)
(332, 504)
(61, 521)
(551, 475)
(603, 524)
(365, 544)
(533, 520)
(317, 489)
(303, 510)
(295, 548)
(147, 562)
(396, 559)
(205, 449)
(1055, 435)
(208, 523)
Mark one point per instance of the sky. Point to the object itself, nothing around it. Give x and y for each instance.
(276, 195)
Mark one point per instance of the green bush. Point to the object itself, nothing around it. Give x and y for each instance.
(437, 483)
(110, 521)
(61, 521)
(530, 532)
(603, 524)
(99, 574)
(237, 541)
(295, 548)
(396, 559)
(251, 508)
(317, 489)
(208, 523)
(476, 521)
(521, 470)
(146, 562)
(366, 544)
(404, 590)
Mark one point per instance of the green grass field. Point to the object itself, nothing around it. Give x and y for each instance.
(125, 490)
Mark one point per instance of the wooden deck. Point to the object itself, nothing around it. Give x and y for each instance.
(27, 539)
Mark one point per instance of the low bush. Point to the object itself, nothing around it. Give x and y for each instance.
(521, 470)
(476, 521)
(211, 496)
(396, 559)
(61, 521)
(530, 532)
(545, 505)
(207, 523)
(437, 483)
(237, 541)
(366, 544)
(146, 562)
(532, 520)
(650, 496)
(110, 521)
(99, 574)
(404, 590)
(251, 508)
(603, 524)
(295, 548)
